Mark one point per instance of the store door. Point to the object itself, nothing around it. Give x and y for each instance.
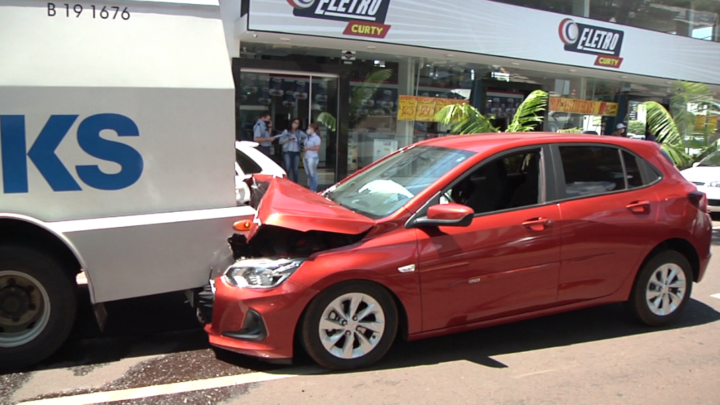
(288, 95)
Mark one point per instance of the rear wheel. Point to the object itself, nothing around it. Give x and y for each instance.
(662, 289)
(350, 325)
(37, 305)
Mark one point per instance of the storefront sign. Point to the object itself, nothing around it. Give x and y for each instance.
(570, 105)
(365, 17)
(366, 29)
(407, 105)
(423, 108)
(593, 40)
(492, 27)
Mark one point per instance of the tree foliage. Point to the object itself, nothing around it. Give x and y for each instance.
(676, 129)
(465, 119)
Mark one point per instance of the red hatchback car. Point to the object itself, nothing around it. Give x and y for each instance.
(458, 233)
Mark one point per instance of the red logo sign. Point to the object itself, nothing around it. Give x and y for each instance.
(366, 29)
(608, 61)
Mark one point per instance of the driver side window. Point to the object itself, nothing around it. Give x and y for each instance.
(509, 181)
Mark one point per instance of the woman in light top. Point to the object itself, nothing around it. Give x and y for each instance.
(312, 146)
(291, 140)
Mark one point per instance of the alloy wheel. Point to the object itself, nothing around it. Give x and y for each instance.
(352, 325)
(666, 289)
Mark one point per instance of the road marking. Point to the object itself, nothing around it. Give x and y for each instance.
(166, 389)
(716, 296)
(535, 373)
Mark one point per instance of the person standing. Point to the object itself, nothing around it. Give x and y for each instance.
(291, 139)
(619, 130)
(312, 146)
(261, 134)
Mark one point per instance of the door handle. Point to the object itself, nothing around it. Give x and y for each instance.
(639, 207)
(537, 224)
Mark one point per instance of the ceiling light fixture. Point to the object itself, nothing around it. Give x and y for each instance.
(371, 47)
(573, 70)
(284, 39)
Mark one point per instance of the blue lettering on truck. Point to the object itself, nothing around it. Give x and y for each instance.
(42, 153)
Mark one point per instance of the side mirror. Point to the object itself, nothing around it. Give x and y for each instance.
(446, 215)
(696, 164)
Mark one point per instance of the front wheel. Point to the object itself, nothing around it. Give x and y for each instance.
(37, 306)
(662, 289)
(350, 325)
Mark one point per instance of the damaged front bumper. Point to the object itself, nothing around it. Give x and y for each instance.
(258, 323)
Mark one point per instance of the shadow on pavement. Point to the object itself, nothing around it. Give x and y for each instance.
(716, 237)
(165, 325)
(588, 325)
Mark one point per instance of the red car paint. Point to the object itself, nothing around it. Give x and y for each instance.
(506, 266)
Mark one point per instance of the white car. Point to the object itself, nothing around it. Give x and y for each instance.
(248, 161)
(705, 174)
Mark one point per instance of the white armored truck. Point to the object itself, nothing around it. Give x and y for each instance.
(116, 158)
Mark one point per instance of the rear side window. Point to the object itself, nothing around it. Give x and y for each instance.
(592, 170)
(247, 165)
(632, 170)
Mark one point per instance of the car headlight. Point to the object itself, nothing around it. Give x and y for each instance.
(713, 184)
(261, 273)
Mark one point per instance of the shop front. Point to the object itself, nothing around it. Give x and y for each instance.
(375, 72)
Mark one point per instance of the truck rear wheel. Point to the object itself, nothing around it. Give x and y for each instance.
(37, 305)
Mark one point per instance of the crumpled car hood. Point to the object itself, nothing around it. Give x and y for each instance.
(289, 205)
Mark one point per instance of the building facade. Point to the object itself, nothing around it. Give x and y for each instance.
(376, 71)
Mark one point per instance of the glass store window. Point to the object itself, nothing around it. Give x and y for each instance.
(372, 116)
(288, 96)
(442, 80)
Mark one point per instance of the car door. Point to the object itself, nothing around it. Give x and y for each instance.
(606, 216)
(507, 260)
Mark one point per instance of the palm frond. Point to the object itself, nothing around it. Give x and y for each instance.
(464, 119)
(363, 93)
(678, 155)
(709, 150)
(327, 120)
(662, 124)
(529, 113)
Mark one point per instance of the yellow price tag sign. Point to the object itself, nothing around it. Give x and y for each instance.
(407, 106)
(425, 109)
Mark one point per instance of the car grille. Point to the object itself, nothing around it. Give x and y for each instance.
(714, 203)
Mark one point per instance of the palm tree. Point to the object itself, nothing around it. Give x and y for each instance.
(675, 129)
(466, 119)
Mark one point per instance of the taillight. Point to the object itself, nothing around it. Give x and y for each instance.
(699, 200)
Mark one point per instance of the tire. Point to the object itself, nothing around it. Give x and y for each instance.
(326, 346)
(662, 289)
(38, 292)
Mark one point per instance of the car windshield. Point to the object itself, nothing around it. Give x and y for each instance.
(385, 187)
(712, 160)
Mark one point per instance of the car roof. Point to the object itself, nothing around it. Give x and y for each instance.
(481, 142)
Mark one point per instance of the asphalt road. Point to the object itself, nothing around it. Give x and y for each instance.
(153, 352)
